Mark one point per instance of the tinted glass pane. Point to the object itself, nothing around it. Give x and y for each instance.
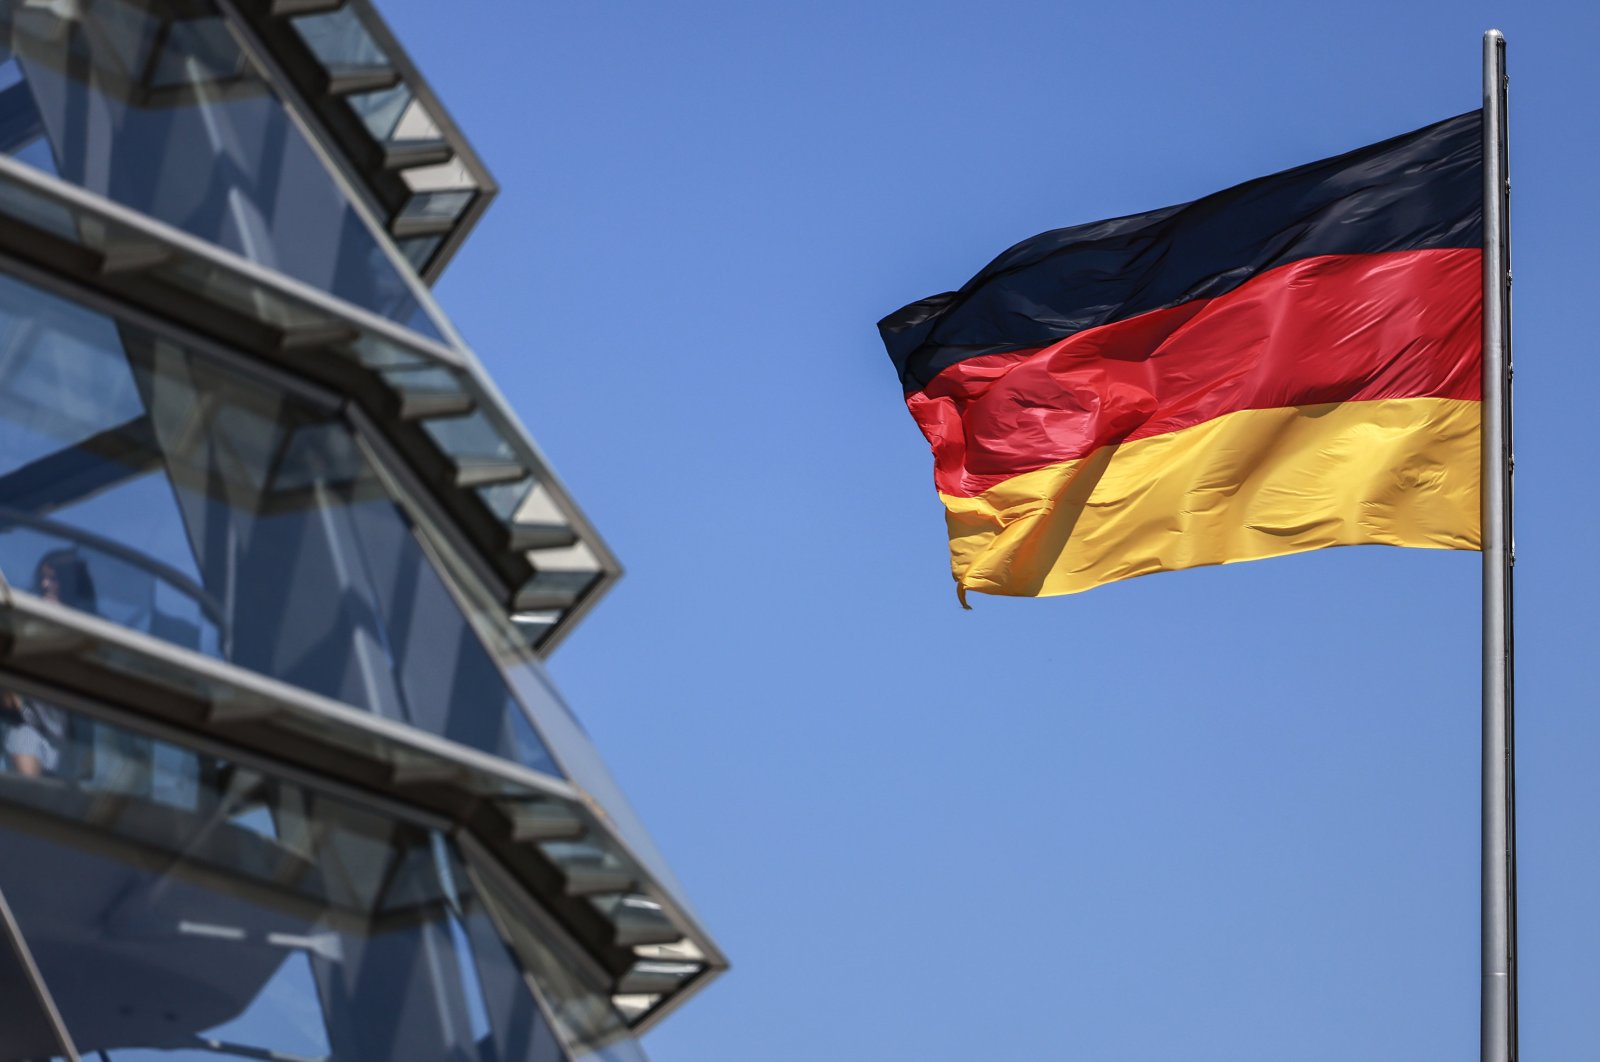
(152, 103)
(183, 907)
(178, 495)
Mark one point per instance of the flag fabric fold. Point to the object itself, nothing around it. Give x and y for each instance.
(1286, 365)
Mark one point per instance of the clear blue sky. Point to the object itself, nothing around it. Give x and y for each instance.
(1222, 814)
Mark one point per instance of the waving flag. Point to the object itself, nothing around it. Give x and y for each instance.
(1286, 365)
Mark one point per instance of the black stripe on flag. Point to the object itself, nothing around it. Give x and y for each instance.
(1418, 191)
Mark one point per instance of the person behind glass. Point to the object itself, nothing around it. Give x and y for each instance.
(35, 742)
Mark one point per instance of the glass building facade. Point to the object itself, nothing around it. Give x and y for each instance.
(283, 776)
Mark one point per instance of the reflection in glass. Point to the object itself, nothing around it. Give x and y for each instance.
(152, 103)
(185, 907)
(223, 513)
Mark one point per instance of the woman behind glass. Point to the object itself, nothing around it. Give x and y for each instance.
(36, 740)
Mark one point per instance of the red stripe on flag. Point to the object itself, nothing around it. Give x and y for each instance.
(1340, 328)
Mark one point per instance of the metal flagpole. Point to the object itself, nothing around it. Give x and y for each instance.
(1498, 1016)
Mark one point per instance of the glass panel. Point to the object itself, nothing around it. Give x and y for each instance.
(469, 436)
(381, 111)
(182, 907)
(337, 38)
(445, 175)
(570, 582)
(379, 352)
(417, 124)
(395, 115)
(436, 206)
(661, 977)
(152, 103)
(176, 495)
(21, 132)
(199, 50)
(506, 498)
(419, 250)
(429, 378)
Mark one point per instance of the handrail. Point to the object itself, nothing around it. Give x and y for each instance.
(166, 573)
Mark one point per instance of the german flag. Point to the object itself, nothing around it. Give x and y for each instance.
(1286, 365)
